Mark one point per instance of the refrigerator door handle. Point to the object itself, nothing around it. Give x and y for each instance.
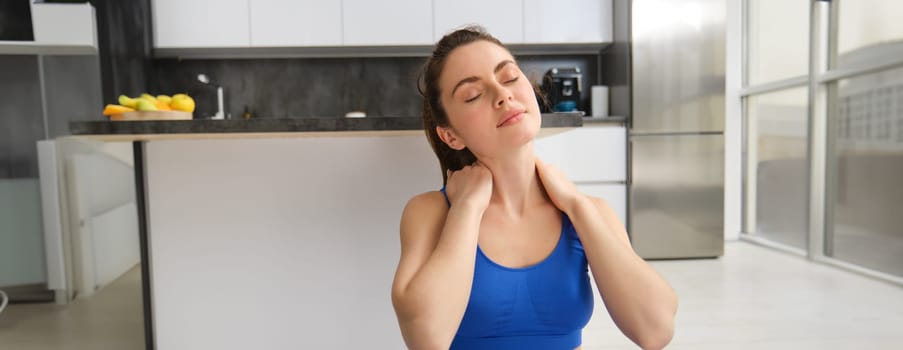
(629, 179)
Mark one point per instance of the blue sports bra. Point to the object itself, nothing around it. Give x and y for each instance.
(544, 306)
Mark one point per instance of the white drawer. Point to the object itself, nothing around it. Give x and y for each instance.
(587, 154)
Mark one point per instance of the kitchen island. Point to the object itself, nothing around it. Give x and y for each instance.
(275, 233)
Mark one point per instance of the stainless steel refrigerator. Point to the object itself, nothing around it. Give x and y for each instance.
(676, 148)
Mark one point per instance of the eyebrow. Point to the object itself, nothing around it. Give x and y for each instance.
(472, 79)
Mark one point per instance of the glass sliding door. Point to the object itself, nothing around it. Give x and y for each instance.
(776, 102)
(823, 114)
(778, 125)
(778, 40)
(865, 151)
(868, 157)
(867, 26)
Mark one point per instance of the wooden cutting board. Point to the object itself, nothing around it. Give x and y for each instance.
(152, 115)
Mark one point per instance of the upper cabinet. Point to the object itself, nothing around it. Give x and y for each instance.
(373, 23)
(277, 23)
(52, 29)
(504, 19)
(64, 24)
(195, 23)
(387, 22)
(567, 21)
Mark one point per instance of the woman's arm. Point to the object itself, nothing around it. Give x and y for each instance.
(438, 253)
(641, 303)
(435, 273)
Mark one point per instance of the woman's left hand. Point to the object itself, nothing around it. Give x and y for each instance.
(561, 190)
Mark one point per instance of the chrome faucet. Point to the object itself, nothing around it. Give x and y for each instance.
(220, 113)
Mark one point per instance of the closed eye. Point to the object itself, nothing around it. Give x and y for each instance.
(473, 98)
(512, 80)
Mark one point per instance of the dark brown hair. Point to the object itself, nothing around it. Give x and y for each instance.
(433, 113)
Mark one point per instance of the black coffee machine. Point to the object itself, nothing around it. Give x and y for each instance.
(562, 88)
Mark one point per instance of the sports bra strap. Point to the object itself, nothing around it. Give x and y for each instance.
(446, 196)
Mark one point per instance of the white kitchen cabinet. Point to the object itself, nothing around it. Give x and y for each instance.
(593, 153)
(308, 23)
(504, 19)
(387, 22)
(277, 23)
(64, 24)
(614, 194)
(259, 273)
(200, 24)
(567, 21)
(59, 29)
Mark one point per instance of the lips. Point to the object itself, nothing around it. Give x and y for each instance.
(511, 118)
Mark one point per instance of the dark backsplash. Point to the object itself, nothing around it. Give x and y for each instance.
(124, 46)
(15, 21)
(321, 87)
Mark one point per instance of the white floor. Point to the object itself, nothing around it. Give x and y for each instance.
(752, 298)
(110, 319)
(758, 298)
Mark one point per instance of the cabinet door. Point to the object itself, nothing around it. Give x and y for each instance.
(614, 194)
(504, 19)
(296, 23)
(567, 21)
(64, 24)
(197, 23)
(387, 22)
(587, 154)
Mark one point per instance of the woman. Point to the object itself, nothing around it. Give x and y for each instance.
(498, 258)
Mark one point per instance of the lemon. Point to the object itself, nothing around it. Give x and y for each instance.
(182, 102)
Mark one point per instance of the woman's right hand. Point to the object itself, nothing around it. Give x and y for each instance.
(471, 186)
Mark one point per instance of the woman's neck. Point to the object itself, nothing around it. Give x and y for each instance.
(515, 185)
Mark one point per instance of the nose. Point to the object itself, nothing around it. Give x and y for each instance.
(503, 95)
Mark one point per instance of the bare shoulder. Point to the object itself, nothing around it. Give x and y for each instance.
(424, 211)
(430, 198)
(421, 225)
(427, 203)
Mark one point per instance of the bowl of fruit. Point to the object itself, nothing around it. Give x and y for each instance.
(149, 107)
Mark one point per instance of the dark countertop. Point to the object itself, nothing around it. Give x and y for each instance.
(206, 128)
(613, 120)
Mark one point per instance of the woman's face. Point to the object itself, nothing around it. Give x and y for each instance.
(490, 103)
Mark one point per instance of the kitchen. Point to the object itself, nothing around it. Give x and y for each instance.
(220, 194)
